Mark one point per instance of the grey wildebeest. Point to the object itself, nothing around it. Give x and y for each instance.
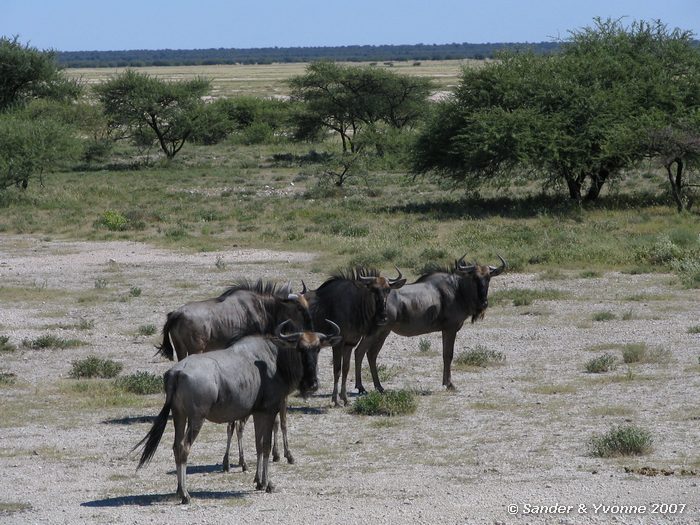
(253, 376)
(356, 301)
(246, 308)
(440, 300)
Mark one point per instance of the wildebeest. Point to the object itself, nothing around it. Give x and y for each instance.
(355, 300)
(440, 300)
(246, 308)
(253, 376)
(243, 309)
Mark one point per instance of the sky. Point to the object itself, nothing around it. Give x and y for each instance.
(84, 25)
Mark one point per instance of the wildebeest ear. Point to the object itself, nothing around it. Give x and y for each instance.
(331, 341)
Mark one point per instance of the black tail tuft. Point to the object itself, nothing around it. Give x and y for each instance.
(152, 439)
(166, 349)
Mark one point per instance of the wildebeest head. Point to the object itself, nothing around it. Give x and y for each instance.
(308, 344)
(381, 287)
(478, 276)
(296, 306)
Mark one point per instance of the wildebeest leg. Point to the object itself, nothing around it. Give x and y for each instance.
(263, 442)
(337, 363)
(240, 425)
(373, 346)
(360, 351)
(448, 347)
(275, 432)
(180, 422)
(347, 354)
(283, 426)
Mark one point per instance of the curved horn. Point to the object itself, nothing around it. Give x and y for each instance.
(494, 271)
(336, 331)
(463, 267)
(392, 281)
(293, 337)
(304, 289)
(461, 259)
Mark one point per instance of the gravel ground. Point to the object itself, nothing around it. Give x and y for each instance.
(511, 435)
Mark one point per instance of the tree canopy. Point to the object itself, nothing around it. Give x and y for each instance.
(149, 109)
(579, 117)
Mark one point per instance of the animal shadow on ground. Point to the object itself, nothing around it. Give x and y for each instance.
(130, 420)
(145, 500)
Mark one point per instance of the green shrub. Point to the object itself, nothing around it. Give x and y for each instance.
(147, 329)
(623, 440)
(688, 271)
(605, 315)
(600, 364)
(479, 356)
(424, 344)
(395, 403)
(695, 329)
(7, 379)
(51, 341)
(6, 345)
(634, 352)
(135, 291)
(113, 221)
(141, 383)
(93, 366)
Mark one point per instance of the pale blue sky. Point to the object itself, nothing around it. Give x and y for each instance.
(75, 25)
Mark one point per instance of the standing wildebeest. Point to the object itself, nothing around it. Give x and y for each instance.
(253, 376)
(355, 300)
(440, 300)
(243, 309)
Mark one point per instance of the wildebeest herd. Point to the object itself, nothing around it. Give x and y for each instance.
(244, 352)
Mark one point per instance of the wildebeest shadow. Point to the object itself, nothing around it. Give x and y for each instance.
(144, 500)
(203, 469)
(313, 411)
(130, 420)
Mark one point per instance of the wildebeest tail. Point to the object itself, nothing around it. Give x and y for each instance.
(154, 435)
(166, 349)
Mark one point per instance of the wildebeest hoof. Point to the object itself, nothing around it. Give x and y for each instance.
(450, 387)
(290, 459)
(275, 458)
(185, 500)
(270, 488)
(244, 468)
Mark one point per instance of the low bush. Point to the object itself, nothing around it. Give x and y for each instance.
(51, 341)
(600, 364)
(142, 383)
(6, 345)
(623, 440)
(93, 366)
(395, 403)
(479, 356)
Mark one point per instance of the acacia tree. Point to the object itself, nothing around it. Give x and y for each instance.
(350, 99)
(145, 108)
(572, 117)
(27, 73)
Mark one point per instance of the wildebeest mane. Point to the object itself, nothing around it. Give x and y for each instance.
(351, 274)
(433, 268)
(280, 291)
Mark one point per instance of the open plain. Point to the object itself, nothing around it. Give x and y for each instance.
(515, 434)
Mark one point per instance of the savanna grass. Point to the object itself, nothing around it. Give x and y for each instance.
(6, 345)
(623, 440)
(93, 366)
(147, 329)
(479, 357)
(391, 403)
(604, 315)
(600, 364)
(51, 341)
(525, 296)
(141, 383)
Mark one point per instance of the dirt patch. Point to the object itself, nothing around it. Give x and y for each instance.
(508, 436)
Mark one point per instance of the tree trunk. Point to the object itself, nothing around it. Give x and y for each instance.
(574, 184)
(597, 181)
(676, 183)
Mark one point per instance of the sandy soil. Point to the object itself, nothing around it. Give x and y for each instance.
(512, 435)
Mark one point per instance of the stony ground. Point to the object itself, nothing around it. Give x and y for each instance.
(512, 435)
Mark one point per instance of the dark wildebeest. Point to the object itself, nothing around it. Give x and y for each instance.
(440, 300)
(253, 376)
(356, 301)
(244, 309)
